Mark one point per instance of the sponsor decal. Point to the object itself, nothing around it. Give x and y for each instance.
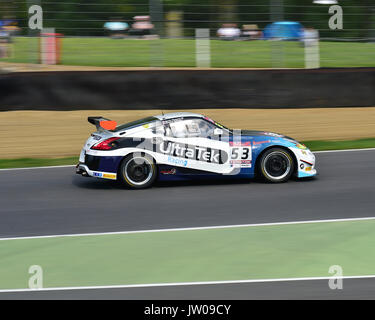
(190, 152)
(178, 162)
(308, 168)
(104, 175)
(168, 172)
(242, 163)
(239, 144)
(273, 134)
(301, 146)
(261, 142)
(109, 176)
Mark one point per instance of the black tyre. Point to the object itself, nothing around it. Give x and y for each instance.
(276, 165)
(138, 171)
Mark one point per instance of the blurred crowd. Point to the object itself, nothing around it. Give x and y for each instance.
(230, 31)
(282, 30)
(142, 27)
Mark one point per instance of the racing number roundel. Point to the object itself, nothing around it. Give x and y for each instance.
(240, 154)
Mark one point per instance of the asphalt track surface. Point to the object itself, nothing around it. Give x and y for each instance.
(57, 201)
(302, 290)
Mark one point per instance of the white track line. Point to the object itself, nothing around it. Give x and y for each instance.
(171, 284)
(72, 165)
(188, 229)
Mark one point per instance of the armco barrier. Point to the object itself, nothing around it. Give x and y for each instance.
(188, 89)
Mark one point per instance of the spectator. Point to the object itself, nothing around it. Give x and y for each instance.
(116, 28)
(229, 31)
(251, 32)
(142, 27)
(4, 47)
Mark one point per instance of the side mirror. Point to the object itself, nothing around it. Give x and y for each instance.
(218, 132)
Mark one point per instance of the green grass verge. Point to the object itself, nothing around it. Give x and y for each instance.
(263, 252)
(107, 52)
(316, 145)
(31, 162)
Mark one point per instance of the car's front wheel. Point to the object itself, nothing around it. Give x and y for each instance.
(138, 171)
(276, 165)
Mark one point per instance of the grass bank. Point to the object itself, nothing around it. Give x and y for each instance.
(105, 52)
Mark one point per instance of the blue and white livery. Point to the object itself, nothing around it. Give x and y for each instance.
(180, 146)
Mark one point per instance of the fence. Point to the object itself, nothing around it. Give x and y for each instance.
(171, 42)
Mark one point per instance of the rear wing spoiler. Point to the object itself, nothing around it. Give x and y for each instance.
(102, 123)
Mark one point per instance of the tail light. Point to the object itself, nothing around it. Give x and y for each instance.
(107, 144)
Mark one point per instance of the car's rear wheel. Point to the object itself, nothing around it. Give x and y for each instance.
(276, 165)
(138, 171)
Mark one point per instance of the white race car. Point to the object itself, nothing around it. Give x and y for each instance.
(179, 146)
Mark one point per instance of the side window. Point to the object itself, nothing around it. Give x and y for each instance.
(206, 128)
(179, 129)
(191, 128)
